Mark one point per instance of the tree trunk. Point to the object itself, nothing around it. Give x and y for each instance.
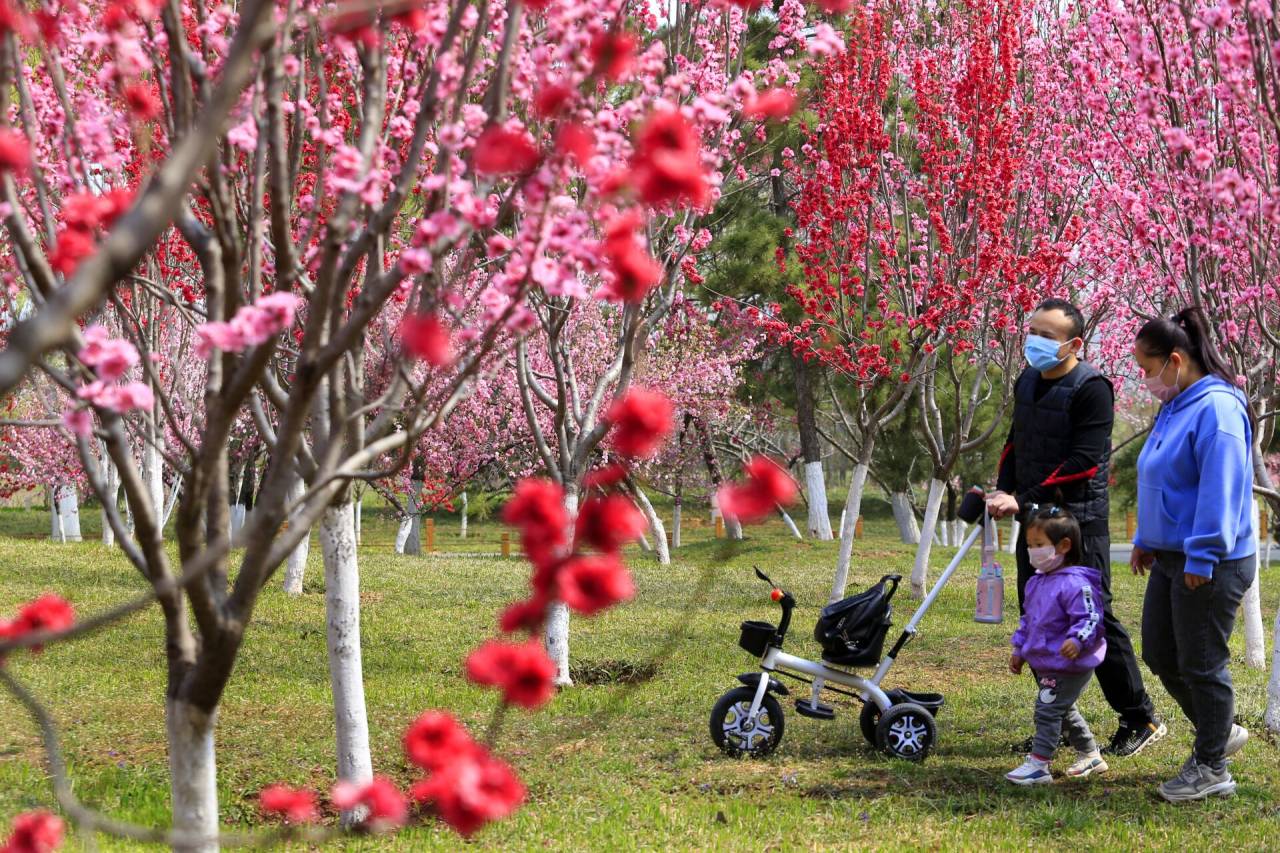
(790, 523)
(296, 567)
(153, 476)
(655, 525)
(905, 516)
(1272, 718)
(462, 525)
(733, 528)
(237, 508)
(342, 606)
(811, 451)
(193, 780)
(359, 515)
(556, 636)
(852, 510)
(933, 505)
(64, 503)
(111, 482)
(1255, 645)
(675, 523)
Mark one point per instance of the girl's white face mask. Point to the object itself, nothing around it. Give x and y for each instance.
(1045, 559)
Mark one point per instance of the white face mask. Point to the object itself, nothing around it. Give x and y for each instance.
(1045, 559)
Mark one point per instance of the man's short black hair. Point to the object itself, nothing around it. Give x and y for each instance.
(1072, 312)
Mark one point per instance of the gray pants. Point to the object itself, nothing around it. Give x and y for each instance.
(1057, 715)
(1184, 641)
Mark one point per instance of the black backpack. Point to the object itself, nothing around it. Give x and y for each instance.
(852, 631)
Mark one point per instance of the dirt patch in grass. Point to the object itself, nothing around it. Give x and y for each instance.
(612, 672)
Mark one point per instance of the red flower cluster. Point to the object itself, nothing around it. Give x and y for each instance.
(667, 164)
(767, 485)
(15, 152)
(640, 421)
(82, 215)
(142, 101)
(388, 807)
(296, 804)
(774, 104)
(635, 272)
(500, 151)
(424, 337)
(49, 612)
(537, 508)
(613, 54)
(466, 785)
(522, 670)
(34, 832)
(595, 582)
(609, 522)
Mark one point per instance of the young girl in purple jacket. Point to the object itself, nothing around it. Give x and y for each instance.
(1061, 637)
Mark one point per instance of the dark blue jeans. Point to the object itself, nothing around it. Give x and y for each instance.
(1184, 641)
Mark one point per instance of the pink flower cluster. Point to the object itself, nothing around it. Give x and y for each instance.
(252, 325)
(110, 358)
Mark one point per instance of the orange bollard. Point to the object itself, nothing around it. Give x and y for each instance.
(719, 526)
(1131, 524)
(431, 535)
(857, 529)
(506, 544)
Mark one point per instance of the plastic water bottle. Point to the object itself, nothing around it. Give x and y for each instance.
(990, 607)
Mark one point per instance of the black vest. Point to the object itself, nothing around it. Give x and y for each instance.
(1042, 431)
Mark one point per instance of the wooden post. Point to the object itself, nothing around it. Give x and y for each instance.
(668, 540)
(719, 526)
(1131, 524)
(857, 529)
(431, 535)
(506, 544)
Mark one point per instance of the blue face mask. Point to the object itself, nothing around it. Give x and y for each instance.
(1042, 353)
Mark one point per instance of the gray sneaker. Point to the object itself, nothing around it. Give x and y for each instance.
(1196, 782)
(1236, 740)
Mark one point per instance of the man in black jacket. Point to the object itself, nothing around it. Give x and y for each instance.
(1060, 444)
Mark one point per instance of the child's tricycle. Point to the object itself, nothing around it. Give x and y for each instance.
(748, 720)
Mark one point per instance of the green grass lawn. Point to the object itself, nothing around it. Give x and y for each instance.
(612, 766)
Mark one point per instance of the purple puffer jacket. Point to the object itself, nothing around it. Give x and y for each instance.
(1061, 604)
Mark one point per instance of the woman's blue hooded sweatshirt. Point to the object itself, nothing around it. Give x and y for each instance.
(1195, 478)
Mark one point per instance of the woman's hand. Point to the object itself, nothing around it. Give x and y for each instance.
(1015, 664)
(1070, 649)
(1140, 560)
(1194, 581)
(1002, 505)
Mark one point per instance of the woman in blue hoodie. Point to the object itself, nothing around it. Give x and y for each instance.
(1195, 534)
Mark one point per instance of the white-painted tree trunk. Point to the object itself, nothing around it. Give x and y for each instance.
(844, 513)
(359, 516)
(1015, 530)
(932, 507)
(675, 525)
(655, 525)
(193, 776)
(815, 487)
(1255, 645)
(342, 607)
(64, 504)
(295, 568)
(462, 524)
(153, 476)
(848, 524)
(1272, 718)
(413, 547)
(237, 518)
(908, 528)
(790, 523)
(111, 485)
(556, 634)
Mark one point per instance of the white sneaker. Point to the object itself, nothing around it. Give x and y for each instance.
(1236, 740)
(1086, 763)
(1032, 771)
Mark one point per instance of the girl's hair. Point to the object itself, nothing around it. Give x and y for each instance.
(1188, 330)
(1058, 524)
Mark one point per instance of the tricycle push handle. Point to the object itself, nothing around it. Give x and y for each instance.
(784, 598)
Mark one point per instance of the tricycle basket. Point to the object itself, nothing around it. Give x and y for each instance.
(756, 636)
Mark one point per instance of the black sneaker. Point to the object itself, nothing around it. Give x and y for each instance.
(1130, 739)
(1023, 747)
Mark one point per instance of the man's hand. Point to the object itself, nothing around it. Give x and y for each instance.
(1070, 649)
(1140, 560)
(1194, 581)
(1015, 664)
(1002, 505)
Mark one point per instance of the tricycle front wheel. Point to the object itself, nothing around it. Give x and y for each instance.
(740, 737)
